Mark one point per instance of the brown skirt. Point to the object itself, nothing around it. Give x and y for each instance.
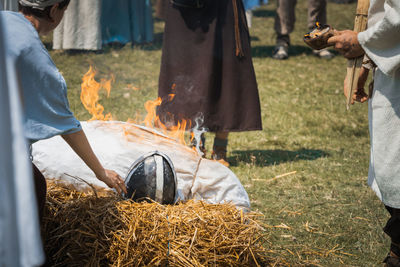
(201, 66)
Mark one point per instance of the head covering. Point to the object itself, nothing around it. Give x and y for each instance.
(39, 4)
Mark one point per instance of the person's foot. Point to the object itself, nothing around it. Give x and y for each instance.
(219, 151)
(323, 53)
(392, 260)
(281, 51)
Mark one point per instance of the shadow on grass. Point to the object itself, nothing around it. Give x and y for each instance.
(156, 44)
(266, 51)
(264, 13)
(273, 157)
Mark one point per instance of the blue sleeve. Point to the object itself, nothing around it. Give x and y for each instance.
(44, 91)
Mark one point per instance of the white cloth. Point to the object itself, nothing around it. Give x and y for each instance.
(80, 27)
(20, 242)
(118, 145)
(381, 42)
(11, 5)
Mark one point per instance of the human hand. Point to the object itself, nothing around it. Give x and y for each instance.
(113, 180)
(359, 95)
(346, 42)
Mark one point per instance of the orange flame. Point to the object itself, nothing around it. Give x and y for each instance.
(90, 95)
(152, 120)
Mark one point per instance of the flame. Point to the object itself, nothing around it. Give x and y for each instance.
(90, 95)
(90, 100)
(152, 120)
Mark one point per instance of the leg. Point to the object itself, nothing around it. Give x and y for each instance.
(316, 12)
(219, 147)
(249, 17)
(284, 25)
(284, 19)
(392, 229)
(40, 188)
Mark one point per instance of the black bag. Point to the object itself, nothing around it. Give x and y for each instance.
(152, 176)
(189, 3)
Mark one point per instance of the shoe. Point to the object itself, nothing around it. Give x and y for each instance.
(323, 53)
(281, 51)
(219, 151)
(392, 260)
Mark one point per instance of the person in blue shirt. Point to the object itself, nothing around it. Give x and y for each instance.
(43, 89)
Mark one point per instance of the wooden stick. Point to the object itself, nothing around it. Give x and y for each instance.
(354, 65)
(276, 177)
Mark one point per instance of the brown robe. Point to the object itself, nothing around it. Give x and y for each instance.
(209, 67)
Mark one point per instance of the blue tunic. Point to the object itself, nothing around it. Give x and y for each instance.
(125, 21)
(44, 91)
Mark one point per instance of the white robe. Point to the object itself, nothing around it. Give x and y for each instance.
(11, 5)
(80, 27)
(381, 42)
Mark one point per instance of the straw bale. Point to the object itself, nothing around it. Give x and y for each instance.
(88, 229)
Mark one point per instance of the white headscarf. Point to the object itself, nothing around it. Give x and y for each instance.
(39, 4)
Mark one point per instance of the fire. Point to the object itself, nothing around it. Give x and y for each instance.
(90, 100)
(90, 95)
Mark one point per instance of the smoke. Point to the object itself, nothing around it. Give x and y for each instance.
(198, 130)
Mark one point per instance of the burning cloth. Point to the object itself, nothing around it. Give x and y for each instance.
(119, 144)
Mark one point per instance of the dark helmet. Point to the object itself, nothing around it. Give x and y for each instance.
(152, 176)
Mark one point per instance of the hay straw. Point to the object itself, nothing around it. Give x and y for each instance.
(81, 229)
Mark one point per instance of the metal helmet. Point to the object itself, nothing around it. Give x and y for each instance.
(152, 176)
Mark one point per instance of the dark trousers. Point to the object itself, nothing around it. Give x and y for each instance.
(285, 17)
(40, 188)
(392, 229)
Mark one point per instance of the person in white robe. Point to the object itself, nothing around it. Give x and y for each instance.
(80, 28)
(20, 242)
(11, 5)
(381, 44)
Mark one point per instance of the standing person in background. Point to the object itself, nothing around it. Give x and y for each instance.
(11, 5)
(89, 25)
(124, 21)
(381, 44)
(44, 91)
(207, 64)
(80, 27)
(285, 19)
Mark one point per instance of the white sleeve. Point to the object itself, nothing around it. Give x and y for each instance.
(381, 42)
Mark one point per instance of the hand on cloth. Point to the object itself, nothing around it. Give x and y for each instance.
(113, 180)
(346, 43)
(359, 95)
(79, 143)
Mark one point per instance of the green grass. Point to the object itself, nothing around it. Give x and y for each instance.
(327, 214)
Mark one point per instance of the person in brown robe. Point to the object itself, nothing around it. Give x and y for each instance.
(207, 64)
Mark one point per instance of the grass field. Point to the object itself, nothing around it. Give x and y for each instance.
(322, 215)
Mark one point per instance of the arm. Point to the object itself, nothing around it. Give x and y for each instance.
(79, 143)
(359, 94)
